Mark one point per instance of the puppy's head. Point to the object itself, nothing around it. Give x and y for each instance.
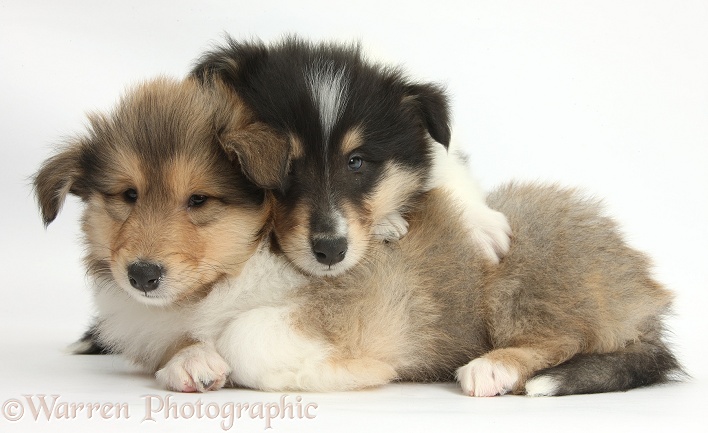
(167, 212)
(361, 138)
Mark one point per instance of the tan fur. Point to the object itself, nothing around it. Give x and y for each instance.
(262, 151)
(183, 343)
(297, 150)
(163, 140)
(397, 187)
(359, 227)
(396, 190)
(292, 232)
(388, 308)
(196, 246)
(352, 140)
(429, 303)
(416, 309)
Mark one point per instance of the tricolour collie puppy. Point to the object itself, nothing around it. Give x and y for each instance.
(188, 284)
(363, 142)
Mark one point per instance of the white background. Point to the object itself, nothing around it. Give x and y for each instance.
(611, 96)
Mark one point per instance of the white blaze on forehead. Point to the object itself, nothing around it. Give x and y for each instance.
(328, 89)
(340, 224)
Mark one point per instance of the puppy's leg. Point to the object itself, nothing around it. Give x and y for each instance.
(344, 374)
(505, 370)
(196, 367)
(391, 227)
(268, 353)
(489, 229)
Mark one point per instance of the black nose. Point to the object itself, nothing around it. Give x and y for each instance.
(330, 250)
(144, 276)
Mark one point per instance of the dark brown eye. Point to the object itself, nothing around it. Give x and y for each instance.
(197, 200)
(130, 195)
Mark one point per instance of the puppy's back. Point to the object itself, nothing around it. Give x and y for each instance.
(571, 261)
(569, 279)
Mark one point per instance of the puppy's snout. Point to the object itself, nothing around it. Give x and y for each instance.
(145, 276)
(330, 250)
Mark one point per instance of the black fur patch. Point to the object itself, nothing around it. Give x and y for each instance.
(90, 344)
(640, 364)
(395, 116)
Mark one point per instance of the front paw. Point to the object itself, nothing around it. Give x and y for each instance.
(196, 368)
(392, 227)
(491, 232)
(484, 378)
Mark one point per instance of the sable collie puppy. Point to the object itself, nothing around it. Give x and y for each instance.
(571, 309)
(363, 142)
(188, 285)
(168, 215)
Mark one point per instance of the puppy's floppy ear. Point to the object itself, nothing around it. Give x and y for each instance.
(263, 153)
(431, 104)
(230, 60)
(55, 179)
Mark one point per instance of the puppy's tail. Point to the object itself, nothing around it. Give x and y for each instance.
(89, 344)
(638, 364)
